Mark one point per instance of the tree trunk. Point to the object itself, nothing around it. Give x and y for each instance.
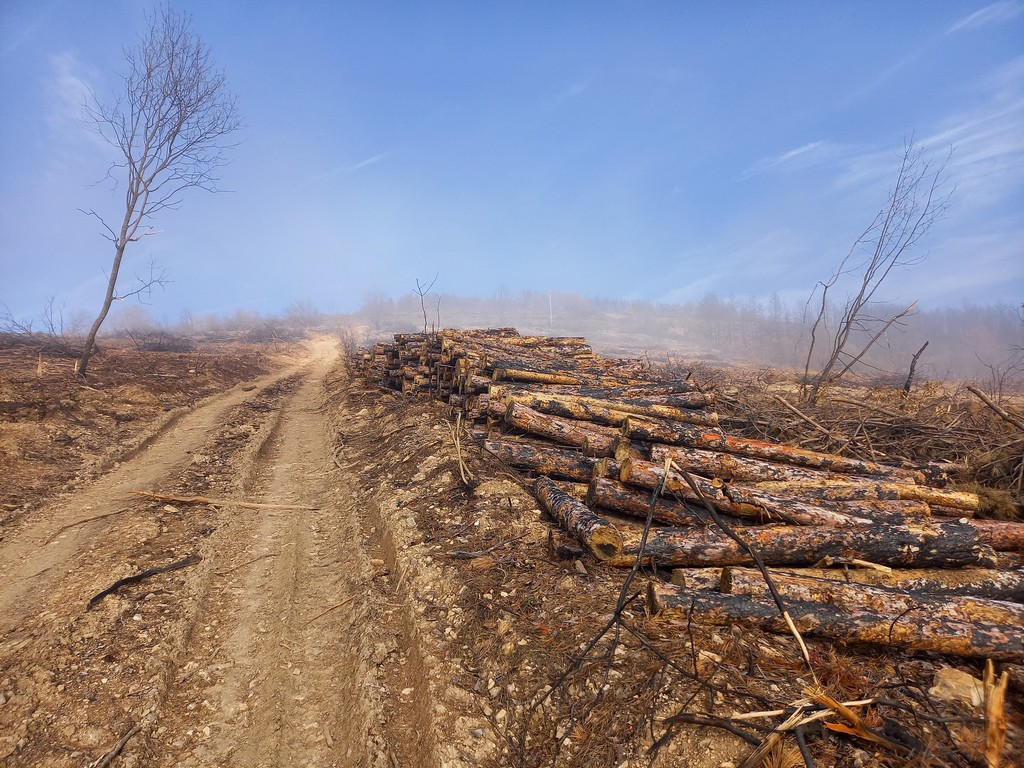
(941, 545)
(597, 410)
(630, 501)
(913, 367)
(82, 367)
(854, 489)
(992, 584)
(761, 507)
(1001, 535)
(533, 375)
(659, 431)
(884, 601)
(594, 532)
(728, 466)
(557, 462)
(595, 440)
(915, 631)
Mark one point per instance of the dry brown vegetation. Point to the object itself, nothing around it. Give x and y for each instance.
(525, 652)
(58, 427)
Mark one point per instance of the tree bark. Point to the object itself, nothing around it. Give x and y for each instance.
(82, 368)
(557, 462)
(535, 376)
(914, 632)
(595, 440)
(596, 533)
(1001, 535)
(993, 584)
(630, 501)
(730, 467)
(913, 367)
(761, 507)
(854, 489)
(884, 601)
(660, 431)
(941, 545)
(599, 410)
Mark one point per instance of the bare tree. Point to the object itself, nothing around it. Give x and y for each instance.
(915, 203)
(421, 290)
(170, 125)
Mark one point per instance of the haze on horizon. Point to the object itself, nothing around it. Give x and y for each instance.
(658, 152)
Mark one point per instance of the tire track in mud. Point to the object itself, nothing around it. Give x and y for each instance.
(285, 665)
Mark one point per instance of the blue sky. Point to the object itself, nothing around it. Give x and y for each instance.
(654, 150)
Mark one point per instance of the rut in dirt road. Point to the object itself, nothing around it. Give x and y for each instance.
(283, 639)
(266, 653)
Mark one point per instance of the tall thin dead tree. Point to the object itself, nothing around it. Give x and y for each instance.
(915, 203)
(170, 124)
(421, 290)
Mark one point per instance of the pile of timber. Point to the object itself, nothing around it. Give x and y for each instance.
(862, 551)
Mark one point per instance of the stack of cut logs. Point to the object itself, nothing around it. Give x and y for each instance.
(861, 551)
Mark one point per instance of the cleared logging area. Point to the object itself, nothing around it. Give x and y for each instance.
(671, 477)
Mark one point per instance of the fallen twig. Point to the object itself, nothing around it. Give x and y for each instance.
(332, 608)
(63, 528)
(190, 560)
(219, 502)
(804, 416)
(108, 758)
(999, 411)
(714, 722)
(467, 476)
(248, 562)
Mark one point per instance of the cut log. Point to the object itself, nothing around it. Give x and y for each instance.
(698, 578)
(847, 489)
(762, 507)
(795, 509)
(993, 584)
(671, 433)
(940, 545)
(553, 404)
(598, 441)
(1001, 535)
(913, 632)
(558, 462)
(883, 601)
(729, 466)
(539, 377)
(628, 500)
(600, 411)
(651, 408)
(596, 533)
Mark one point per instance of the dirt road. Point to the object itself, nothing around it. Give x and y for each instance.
(277, 648)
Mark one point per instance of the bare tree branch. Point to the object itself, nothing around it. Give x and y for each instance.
(915, 203)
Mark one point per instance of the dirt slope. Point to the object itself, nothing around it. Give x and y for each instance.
(272, 650)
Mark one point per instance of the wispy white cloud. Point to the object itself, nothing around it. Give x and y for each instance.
(571, 91)
(70, 89)
(987, 143)
(342, 168)
(995, 13)
(801, 157)
(369, 161)
(882, 77)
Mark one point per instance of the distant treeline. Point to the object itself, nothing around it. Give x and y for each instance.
(973, 341)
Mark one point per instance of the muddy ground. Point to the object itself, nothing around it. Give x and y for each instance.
(347, 595)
